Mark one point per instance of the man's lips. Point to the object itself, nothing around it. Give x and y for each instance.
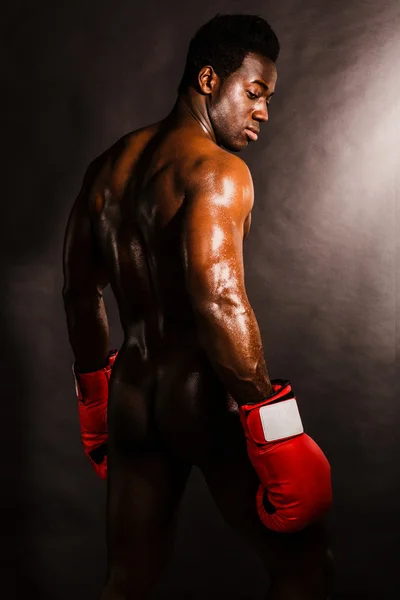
(253, 135)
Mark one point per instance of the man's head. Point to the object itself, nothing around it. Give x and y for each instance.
(231, 63)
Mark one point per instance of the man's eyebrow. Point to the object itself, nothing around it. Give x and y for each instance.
(263, 85)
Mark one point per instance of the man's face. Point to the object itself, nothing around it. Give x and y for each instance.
(239, 105)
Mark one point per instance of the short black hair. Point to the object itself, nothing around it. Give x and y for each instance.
(224, 41)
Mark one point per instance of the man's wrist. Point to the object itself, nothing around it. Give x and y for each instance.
(84, 368)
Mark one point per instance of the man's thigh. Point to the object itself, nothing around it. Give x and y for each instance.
(143, 493)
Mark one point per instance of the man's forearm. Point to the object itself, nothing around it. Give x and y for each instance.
(87, 329)
(230, 335)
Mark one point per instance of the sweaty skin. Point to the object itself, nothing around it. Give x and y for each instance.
(168, 209)
(161, 217)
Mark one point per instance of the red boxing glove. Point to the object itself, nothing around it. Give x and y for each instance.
(92, 393)
(295, 475)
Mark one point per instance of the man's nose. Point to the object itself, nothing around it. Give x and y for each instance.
(261, 113)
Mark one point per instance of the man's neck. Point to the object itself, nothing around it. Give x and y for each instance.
(190, 110)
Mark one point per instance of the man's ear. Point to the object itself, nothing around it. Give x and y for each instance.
(207, 80)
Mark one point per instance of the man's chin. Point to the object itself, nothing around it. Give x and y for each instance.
(238, 146)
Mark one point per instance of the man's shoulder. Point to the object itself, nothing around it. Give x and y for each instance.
(113, 165)
(126, 144)
(216, 166)
(221, 180)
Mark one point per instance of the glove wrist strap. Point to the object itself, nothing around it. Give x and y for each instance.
(281, 420)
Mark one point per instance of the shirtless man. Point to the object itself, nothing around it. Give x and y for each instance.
(162, 216)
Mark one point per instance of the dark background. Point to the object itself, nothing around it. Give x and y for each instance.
(320, 267)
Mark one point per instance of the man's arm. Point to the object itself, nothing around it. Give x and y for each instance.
(84, 280)
(219, 202)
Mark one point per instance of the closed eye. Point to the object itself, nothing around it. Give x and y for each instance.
(252, 96)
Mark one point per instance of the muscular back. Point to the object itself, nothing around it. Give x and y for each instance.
(162, 216)
(143, 223)
(138, 203)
